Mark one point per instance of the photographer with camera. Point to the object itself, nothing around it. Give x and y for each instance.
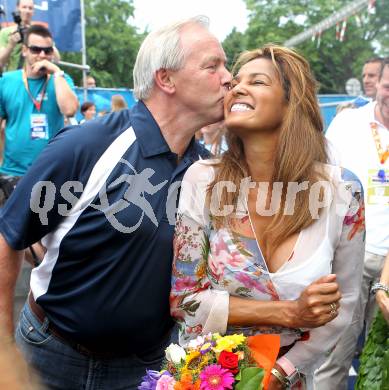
(11, 38)
(33, 101)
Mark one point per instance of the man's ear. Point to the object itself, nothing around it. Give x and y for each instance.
(164, 80)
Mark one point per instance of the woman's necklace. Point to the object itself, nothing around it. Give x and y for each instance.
(382, 154)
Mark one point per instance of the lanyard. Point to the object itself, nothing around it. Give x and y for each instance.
(37, 104)
(382, 154)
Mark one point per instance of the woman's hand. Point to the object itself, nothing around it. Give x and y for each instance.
(382, 299)
(317, 304)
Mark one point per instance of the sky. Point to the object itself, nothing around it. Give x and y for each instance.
(223, 14)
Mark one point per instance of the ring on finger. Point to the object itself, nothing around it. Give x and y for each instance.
(333, 309)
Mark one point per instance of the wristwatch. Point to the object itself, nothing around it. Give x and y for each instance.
(379, 286)
(281, 378)
(293, 378)
(59, 73)
(286, 381)
(292, 374)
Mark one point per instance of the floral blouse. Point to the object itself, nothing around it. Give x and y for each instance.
(210, 265)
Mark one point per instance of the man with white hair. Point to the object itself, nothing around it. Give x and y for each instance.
(98, 312)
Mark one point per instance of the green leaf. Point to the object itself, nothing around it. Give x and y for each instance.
(243, 292)
(190, 307)
(332, 62)
(252, 378)
(374, 369)
(112, 43)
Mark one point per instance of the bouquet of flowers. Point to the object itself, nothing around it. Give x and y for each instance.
(211, 362)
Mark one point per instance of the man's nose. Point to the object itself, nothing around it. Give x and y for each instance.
(226, 77)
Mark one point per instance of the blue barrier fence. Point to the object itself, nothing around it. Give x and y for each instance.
(102, 99)
(328, 104)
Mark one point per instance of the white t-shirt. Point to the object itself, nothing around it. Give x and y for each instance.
(351, 136)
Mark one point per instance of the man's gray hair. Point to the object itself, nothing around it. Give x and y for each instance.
(161, 49)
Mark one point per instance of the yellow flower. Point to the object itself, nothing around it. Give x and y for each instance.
(186, 371)
(228, 343)
(194, 363)
(201, 270)
(191, 356)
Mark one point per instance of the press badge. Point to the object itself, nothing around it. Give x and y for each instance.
(378, 188)
(39, 126)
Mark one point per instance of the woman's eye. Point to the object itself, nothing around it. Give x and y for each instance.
(258, 82)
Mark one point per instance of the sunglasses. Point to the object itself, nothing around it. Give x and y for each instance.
(38, 49)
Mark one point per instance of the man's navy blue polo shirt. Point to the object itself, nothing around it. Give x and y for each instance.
(105, 279)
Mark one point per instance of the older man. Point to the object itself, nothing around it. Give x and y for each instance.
(361, 137)
(98, 313)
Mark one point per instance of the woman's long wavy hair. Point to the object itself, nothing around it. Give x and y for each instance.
(301, 144)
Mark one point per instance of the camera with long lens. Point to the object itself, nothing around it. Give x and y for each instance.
(20, 29)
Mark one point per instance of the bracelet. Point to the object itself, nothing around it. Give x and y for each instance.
(59, 73)
(286, 365)
(280, 377)
(379, 286)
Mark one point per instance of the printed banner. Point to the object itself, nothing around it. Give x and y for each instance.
(62, 16)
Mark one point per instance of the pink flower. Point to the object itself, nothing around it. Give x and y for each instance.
(250, 283)
(185, 283)
(219, 245)
(217, 265)
(214, 377)
(235, 259)
(349, 220)
(165, 382)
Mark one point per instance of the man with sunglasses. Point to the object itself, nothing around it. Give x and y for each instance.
(33, 100)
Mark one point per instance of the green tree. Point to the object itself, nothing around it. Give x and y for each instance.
(112, 43)
(234, 44)
(332, 61)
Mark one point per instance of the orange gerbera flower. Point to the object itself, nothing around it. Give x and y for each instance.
(186, 383)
